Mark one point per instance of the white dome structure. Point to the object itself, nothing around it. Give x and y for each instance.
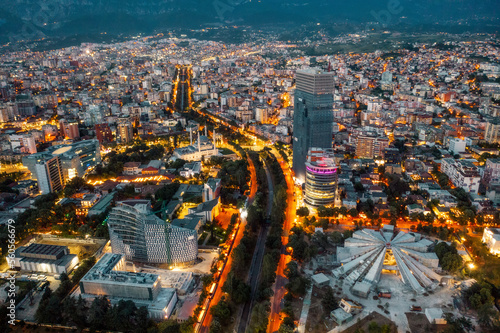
(368, 252)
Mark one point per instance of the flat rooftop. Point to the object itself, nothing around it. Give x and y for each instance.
(103, 272)
(44, 249)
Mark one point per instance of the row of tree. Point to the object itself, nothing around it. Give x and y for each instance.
(260, 312)
(55, 307)
(238, 291)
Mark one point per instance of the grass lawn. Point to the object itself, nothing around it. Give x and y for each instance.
(487, 265)
(225, 151)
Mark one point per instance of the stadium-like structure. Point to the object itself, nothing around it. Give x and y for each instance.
(368, 252)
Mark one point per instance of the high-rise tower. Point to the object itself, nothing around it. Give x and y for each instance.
(321, 178)
(313, 115)
(49, 175)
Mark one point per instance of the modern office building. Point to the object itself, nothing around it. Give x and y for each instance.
(75, 159)
(321, 178)
(313, 115)
(49, 175)
(108, 277)
(136, 232)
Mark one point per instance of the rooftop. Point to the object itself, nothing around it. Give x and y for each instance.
(44, 249)
(103, 272)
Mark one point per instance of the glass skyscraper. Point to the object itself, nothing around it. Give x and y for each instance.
(313, 115)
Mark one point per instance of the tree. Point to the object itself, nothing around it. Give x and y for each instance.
(303, 211)
(487, 316)
(457, 325)
(298, 286)
(329, 301)
(287, 326)
(449, 259)
(222, 311)
(353, 212)
(98, 310)
(259, 317)
(216, 327)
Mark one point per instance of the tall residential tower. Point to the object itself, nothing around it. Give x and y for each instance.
(313, 115)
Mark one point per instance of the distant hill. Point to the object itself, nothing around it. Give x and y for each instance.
(33, 19)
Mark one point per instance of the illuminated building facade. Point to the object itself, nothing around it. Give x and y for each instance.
(371, 146)
(321, 178)
(75, 159)
(24, 143)
(462, 173)
(140, 235)
(491, 237)
(492, 130)
(46, 258)
(124, 130)
(203, 148)
(49, 175)
(109, 277)
(313, 115)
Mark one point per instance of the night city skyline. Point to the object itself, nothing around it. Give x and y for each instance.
(250, 166)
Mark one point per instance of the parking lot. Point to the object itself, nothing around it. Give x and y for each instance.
(26, 309)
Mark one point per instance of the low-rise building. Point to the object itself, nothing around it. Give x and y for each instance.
(46, 258)
(109, 278)
(462, 174)
(320, 280)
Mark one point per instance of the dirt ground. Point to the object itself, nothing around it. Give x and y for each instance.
(365, 322)
(317, 320)
(419, 324)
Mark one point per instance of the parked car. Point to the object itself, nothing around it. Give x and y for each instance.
(385, 295)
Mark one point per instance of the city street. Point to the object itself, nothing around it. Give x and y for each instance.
(279, 286)
(205, 324)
